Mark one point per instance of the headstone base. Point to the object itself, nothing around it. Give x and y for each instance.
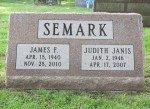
(76, 83)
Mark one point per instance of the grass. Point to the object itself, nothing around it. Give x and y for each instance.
(54, 99)
(43, 99)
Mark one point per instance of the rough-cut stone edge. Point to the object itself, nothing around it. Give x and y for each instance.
(76, 83)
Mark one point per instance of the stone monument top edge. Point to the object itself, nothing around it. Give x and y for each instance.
(61, 13)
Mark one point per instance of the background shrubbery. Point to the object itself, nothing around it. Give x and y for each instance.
(30, 1)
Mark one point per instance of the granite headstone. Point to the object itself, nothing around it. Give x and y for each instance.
(98, 51)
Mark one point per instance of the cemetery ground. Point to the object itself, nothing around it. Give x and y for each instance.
(54, 99)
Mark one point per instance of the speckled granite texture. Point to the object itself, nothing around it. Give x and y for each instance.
(128, 30)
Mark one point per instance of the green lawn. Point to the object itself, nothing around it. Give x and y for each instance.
(48, 99)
